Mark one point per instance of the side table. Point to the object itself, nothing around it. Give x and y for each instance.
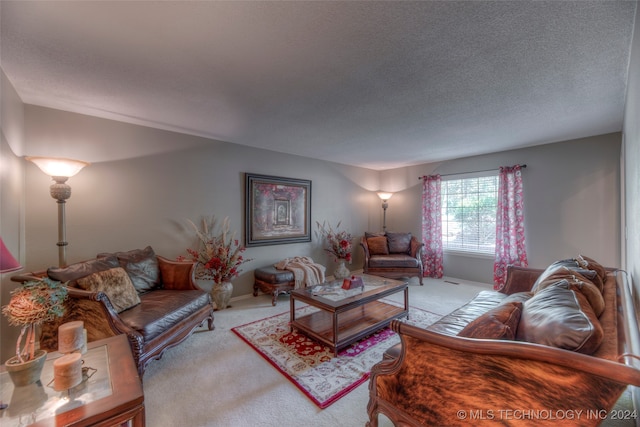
(111, 395)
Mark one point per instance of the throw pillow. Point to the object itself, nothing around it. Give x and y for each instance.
(594, 266)
(142, 266)
(175, 273)
(75, 271)
(116, 284)
(557, 316)
(499, 323)
(378, 245)
(399, 243)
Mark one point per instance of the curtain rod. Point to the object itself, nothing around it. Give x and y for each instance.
(464, 173)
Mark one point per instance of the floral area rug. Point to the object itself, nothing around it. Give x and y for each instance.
(311, 366)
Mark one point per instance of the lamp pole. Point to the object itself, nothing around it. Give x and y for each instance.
(385, 205)
(60, 170)
(384, 196)
(61, 191)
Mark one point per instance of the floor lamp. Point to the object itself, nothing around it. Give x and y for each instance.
(385, 198)
(7, 263)
(60, 170)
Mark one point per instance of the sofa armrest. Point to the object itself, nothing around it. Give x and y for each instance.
(177, 275)
(519, 376)
(520, 279)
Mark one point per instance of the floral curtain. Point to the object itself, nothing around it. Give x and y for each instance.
(432, 226)
(510, 244)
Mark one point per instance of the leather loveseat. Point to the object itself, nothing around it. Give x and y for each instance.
(392, 255)
(555, 346)
(151, 299)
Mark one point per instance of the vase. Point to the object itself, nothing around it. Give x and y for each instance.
(221, 294)
(341, 271)
(25, 373)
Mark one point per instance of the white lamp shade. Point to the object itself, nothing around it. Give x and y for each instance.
(58, 166)
(384, 196)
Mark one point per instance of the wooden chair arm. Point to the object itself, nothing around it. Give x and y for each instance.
(416, 248)
(365, 248)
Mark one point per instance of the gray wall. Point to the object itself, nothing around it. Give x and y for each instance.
(132, 202)
(572, 201)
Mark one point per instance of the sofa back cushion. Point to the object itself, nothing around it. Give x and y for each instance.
(142, 267)
(559, 317)
(78, 270)
(114, 282)
(579, 283)
(399, 243)
(500, 323)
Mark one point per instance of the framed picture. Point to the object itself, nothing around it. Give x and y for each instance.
(278, 210)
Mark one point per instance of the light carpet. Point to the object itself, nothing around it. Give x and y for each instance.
(310, 365)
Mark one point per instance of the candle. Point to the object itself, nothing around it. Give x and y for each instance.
(83, 350)
(67, 371)
(71, 337)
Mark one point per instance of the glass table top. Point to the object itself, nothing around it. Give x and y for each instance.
(39, 401)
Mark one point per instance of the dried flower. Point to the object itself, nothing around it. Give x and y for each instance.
(339, 241)
(218, 251)
(32, 304)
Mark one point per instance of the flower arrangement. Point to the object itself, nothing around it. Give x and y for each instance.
(218, 251)
(33, 303)
(339, 241)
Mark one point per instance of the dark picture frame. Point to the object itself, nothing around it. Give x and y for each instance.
(277, 210)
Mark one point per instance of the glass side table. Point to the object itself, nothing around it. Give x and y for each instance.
(110, 391)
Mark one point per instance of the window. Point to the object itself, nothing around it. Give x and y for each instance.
(469, 209)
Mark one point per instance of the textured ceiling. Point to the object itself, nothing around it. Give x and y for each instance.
(373, 84)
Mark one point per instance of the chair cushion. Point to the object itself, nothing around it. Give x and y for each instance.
(500, 322)
(399, 243)
(454, 322)
(142, 267)
(378, 245)
(116, 284)
(161, 309)
(393, 261)
(560, 317)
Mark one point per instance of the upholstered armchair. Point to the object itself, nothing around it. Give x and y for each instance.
(392, 255)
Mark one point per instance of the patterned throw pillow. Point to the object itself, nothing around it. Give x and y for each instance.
(116, 284)
(142, 266)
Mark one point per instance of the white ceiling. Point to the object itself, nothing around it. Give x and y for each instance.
(373, 84)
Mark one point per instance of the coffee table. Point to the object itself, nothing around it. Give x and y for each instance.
(111, 396)
(346, 316)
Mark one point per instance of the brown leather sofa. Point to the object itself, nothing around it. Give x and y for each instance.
(151, 299)
(525, 356)
(392, 255)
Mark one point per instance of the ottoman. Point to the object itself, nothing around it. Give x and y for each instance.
(272, 281)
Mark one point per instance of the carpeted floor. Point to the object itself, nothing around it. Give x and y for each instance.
(215, 379)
